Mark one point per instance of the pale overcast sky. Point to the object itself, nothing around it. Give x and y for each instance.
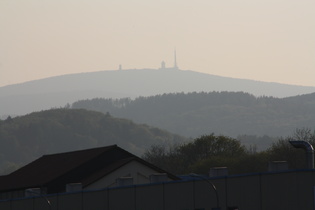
(266, 40)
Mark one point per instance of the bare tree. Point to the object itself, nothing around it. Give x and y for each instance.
(303, 134)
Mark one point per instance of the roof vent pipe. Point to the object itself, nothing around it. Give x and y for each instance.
(309, 151)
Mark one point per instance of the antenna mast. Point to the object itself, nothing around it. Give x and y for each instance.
(175, 62)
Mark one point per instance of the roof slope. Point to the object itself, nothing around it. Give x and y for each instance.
(57, 170)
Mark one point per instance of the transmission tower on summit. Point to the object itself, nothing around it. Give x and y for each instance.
(175, 61)
(175, 67)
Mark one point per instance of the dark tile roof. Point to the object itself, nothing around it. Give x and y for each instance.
(85, 166)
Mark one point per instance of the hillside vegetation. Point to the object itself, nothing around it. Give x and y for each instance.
(211, 151)
(28, 137)
(225, 113)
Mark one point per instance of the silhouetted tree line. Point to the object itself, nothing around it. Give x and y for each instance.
(226, 113)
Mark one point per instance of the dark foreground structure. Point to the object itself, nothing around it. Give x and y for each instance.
(149, 188)
(291, 190)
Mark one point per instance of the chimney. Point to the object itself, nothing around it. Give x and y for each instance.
(73, 187)
(218, 171)
(278, 166)
(158, 178)
(32, 192)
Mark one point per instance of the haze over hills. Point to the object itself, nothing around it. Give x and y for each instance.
(28, 137)
(57, 91)
(228, 113)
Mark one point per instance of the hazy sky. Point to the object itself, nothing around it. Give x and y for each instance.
(266, 40)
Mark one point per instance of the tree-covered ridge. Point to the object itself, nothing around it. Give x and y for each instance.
(227, 113)
(25, 138)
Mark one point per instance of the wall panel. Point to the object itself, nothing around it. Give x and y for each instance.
(244, 192)
(23, 204)
(279, 191)
(70, 201)
(179, 196)
(150, 197)
(122, 198)
(5, 205)
(96, 200)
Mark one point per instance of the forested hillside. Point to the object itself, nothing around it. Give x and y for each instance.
(227, 113)
(28, 137)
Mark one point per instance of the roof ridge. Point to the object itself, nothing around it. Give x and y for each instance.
(81, 150)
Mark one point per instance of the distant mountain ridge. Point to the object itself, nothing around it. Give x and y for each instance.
(228, 113)
(57, 91)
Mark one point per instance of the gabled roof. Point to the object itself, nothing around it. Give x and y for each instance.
(57, 170)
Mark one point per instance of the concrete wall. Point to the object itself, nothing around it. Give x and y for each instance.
(270, 191)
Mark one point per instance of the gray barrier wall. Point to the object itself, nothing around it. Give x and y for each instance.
(270, 191)
(150, 197)
(244, 192)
